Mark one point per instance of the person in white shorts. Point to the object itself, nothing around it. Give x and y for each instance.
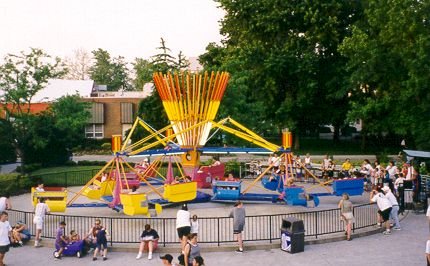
(5, 235)
(39, 215)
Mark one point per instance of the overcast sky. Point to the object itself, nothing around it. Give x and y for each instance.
(131, 28)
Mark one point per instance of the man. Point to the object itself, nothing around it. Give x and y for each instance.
(238, 214)
(5, 234)
(5, 203)
(395, 207)
(60, 240)
(384, 206)
(148, 237)
(40, 211)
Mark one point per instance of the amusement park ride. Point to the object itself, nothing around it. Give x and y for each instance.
(191, 101)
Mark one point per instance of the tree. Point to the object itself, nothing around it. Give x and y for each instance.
(151, 108)
(284, 61)
(21, 77)
(79, 65)
(388, 55)
(108, 71)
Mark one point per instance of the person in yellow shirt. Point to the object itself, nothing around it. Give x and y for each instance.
(346, 168)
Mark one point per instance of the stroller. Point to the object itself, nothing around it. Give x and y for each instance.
(73, 249)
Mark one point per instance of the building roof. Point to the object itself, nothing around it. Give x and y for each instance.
(58, 88)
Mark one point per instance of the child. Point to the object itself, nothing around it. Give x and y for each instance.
(194, 225)
(60, 240)
(101, 243)
(74, 237)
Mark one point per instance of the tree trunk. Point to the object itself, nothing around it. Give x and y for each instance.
(336, 133)
(296, 140)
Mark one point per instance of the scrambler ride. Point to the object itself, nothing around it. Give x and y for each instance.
(191, 101)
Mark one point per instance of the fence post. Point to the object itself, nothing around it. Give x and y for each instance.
(270, 229)
(111, 232)
(218, 231)
(65, 177)
(164, 232)
(316, 224)
(353, 215)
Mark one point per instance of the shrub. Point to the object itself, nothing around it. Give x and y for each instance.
(107, 146)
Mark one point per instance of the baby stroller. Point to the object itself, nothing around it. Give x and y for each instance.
(73, 249)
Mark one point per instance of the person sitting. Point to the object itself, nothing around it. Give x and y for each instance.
(40, 187)
(176, 180)
(187, 179)
(147, 238)
(330, 169)
(20, 233)
(216, 162)
(346, 168)
(230, 178)
(74, 236)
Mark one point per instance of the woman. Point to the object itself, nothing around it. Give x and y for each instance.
(346, 214)
(183, 225)
(147, 238)
(192, 250)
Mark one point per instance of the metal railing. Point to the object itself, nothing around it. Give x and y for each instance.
(216, 230)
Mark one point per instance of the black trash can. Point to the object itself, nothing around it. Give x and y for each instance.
(292, 235)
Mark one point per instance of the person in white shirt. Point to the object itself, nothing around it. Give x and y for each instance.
(275, 160)
(392, 170)
(308, 165)
(40, 211)
(384, 206)
(183, 225)
(40, 187)
(194, 225)
(5, 235)
(394, 215)
(5, 203)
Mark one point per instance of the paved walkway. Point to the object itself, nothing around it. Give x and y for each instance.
(404, 247)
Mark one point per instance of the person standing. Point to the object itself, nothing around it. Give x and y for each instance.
(183, 225)
(40, 211)
(395, 207)
(148, 237)
(5, 235)
(308, 166)
(238, 214)
(194, 225)
(5, 203)
(191, 250)
(384, 206)
(101, 243)
(347, 216)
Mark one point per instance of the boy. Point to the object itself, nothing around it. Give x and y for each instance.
(60, 240)
(101, 243)
(5, 234)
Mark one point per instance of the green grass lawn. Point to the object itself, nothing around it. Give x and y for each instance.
(51, 170)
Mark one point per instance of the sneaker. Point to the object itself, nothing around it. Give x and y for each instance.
(150, 256)
(20, 243)
(104, 258)
(387, 233)
(139, 256)
(397, 228)
(94, 258)
(38, 245)
(239, 250)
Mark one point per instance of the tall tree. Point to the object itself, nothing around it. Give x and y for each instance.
(111, 72)
(284, 61)
(388, 54)
(78, 65)
(151, 108)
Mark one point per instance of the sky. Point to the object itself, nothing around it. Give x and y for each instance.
(130, 28)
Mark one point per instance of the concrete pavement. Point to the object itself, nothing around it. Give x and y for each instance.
(404, 247)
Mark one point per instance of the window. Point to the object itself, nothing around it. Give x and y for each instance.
(94, 131)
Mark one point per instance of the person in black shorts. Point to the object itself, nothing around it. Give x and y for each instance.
(101, 243)
(183, 225)
(5, 235)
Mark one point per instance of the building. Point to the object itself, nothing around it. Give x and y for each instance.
(112, 113)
